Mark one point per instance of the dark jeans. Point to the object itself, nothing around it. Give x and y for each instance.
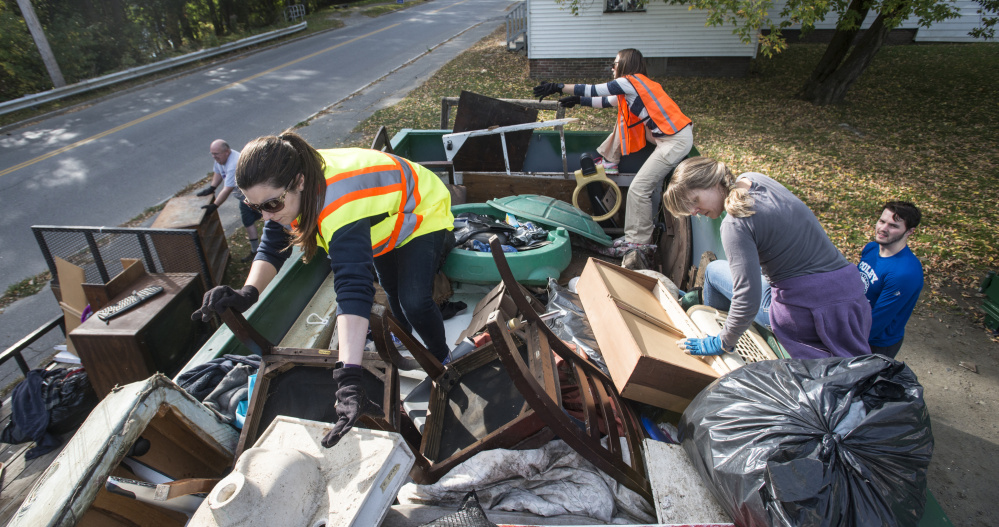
(407, 276)
(888, 351)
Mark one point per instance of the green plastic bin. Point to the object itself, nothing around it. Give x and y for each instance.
(532, 267)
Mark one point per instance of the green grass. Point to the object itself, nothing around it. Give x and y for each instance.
(922, 124)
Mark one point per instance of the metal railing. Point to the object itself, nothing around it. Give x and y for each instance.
(294, 12)
(14, 352)
(133, 73)
(516, 27)
(99, 250)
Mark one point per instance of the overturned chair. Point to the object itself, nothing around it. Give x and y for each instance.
(505, 394)
(298, 382)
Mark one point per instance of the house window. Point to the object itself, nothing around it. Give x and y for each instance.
(624, 6)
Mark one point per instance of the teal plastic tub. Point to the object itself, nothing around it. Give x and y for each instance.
(532, 267)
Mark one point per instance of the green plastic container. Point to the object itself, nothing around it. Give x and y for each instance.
(532, 267)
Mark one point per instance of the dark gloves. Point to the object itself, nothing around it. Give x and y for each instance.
(569, 101)
(220, 297)
(206, 192)
(351, 403)
(211, 207)
(547, 88)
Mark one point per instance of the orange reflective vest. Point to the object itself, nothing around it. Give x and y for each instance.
(362, 183)
(662, 110)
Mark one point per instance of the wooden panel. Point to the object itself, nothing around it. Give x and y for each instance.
(158, 335)
(20, 475)
(486, 186)
(175, 451)
(478, 112)
(641, 354)
(675, 248)
(111, 510)
(177, 253)
(100, 295)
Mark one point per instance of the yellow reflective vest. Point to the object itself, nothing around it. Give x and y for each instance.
(409, 199)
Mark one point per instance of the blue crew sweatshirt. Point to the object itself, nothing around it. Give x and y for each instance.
(892, 287)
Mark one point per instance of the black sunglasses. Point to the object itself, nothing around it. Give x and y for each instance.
(270, 206)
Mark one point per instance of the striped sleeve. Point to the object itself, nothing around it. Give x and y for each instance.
(605, 95)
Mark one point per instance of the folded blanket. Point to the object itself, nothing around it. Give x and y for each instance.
(233, 389)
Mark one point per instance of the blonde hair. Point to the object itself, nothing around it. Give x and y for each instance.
(698, 173)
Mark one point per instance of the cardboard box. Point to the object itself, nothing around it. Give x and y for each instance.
(100, 295)
(637, 323)
(71, 297)
(72, 318)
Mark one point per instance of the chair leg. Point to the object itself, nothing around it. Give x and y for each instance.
(608, 460)
(246, 334)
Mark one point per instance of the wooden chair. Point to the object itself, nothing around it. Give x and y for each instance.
(474, 405)
(298, 382)
(601, 401)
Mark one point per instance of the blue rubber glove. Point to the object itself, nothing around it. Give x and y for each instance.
(702, 347)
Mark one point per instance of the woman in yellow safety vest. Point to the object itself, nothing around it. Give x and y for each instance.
(372, 212)
(644, 113)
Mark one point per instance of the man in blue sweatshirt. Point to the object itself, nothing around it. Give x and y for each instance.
(893, 276)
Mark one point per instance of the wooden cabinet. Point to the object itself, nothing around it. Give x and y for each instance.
(177, 254)
(157, 335)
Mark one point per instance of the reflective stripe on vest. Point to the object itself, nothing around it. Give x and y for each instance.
(662, 110)
(364, 183)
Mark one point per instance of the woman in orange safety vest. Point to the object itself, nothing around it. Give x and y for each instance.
(645, 113)
(374, 214)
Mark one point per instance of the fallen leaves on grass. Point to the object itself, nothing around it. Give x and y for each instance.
(922, 125)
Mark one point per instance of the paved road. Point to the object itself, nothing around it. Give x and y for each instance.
(106, 163)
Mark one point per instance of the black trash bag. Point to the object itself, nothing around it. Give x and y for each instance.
(527, 235)
(470, 514)
(469, 225)
(813, 442)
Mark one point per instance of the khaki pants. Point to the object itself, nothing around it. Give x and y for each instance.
(648, 182)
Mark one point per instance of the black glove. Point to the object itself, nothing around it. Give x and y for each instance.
(547, 88)
(220, 297)
(569, 101)
(351, 404)
(211, 207)
(206, 192)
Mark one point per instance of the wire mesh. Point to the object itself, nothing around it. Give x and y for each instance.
(99, 250)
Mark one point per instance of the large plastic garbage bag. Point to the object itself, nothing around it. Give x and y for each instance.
(813, 442)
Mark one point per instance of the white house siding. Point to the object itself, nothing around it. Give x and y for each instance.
(952, 30)
(661, 31)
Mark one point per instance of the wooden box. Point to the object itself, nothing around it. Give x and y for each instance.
(157, 335)
(177, 253)
(637, 323)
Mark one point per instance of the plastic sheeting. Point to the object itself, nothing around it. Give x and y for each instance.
(549, 481)
(814, 442)
(571, 324)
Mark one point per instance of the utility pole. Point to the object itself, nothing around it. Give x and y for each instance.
(35, 27)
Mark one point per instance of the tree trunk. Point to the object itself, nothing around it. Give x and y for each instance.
(835, 52)
(834, 88)
(185, 23)
(214, 16)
